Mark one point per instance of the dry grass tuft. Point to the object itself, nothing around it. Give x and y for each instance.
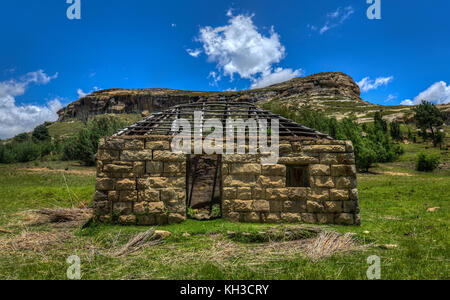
(139, 241)
(35, 241)
(60, 217)
(328, 243)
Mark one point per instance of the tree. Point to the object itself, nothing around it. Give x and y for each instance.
(380, 124)
(20, 138)
(428, 117)
(396, 133)
(41, 134)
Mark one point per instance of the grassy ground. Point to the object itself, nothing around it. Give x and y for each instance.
(394, 201)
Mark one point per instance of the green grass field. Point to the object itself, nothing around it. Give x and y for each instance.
(394, 200)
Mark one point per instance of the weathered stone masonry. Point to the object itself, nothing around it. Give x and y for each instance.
(140, 181)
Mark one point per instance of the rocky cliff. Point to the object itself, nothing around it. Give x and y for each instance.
(327, 88)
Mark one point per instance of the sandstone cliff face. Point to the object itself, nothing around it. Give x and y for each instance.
(331, 86)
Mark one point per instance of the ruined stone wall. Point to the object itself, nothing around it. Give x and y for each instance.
(256, 193)
(140, 181)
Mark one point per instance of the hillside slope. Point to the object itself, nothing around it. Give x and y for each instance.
(334, 93)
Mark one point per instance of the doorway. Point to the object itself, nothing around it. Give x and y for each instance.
(203, 187)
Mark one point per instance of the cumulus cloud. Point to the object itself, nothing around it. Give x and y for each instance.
(240, 49)
(82, 94)
(279, 75)
(334, 19)
(367, 84)
(16, 119)
(438, 93)
(194, 53)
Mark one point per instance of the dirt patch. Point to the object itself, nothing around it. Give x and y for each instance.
(60, 217)
(397, 174)
(89, 172)
(35, 241)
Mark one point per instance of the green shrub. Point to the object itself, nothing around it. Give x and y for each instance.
(41, 134)
(427, 163)
(84, 145)
(25, 152)
(375, 146)
(20, 138)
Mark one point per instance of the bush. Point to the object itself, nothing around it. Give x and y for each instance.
(84, 145)
(396, 133)
(20, 138)
(375, 147)
(427, 163)
(41, 134)
(25, 152)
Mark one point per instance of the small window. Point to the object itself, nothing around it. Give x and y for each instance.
(297, 176)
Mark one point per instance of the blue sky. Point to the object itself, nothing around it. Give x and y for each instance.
(47, 60)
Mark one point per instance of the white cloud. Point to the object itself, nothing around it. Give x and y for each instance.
(280, 75)
(334, 19)
(367, 84)
(194, 53)
(238, 48)
(82, 94)
(390, 97)
(438, 93)
(215, 77)
(17, 119)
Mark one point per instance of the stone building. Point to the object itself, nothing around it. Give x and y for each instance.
(140, 180)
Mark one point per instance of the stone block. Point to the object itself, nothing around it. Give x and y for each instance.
(177, 167)
(277, 194)
(274, 170)
(133, 145)
(329, 158)
(156, 207)
(345, 159)
(149, 195)
(116, 168)
(276, 206)
(146, 220)
(154, 167)
(252, 217)
(108, 155)
(133, 155)
(157, 145)
(128, 196)
(243, 205)
(244, 193)
(323, 182)
(139, 168)
(314, 207)
(343, 170)
(126, 185)
(345, 182)
(333, 206)
(141, 208)
(345, 219)
(325, 218)
(298, 193)
(169, 195)
(271, 182)
(229, 193)
(104, 184)
(168, 156)
(127, 220)
(238, 181)
(309, 218)
(300, 159)
(261, 206)
(320, 194)
(176, 218)
(350, 206)
(247, 169)
(319, 170)
(339, 195)
(291, 217)
(325, 148)
(113, 196)
(122, 208)
(294, 206)
(258, 193)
